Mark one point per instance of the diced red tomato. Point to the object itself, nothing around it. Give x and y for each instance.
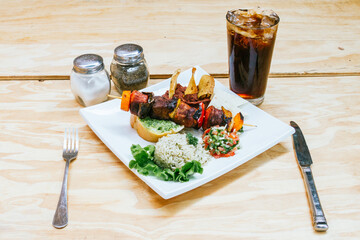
(229, 154)
(206, 132)
(219, 145)
(234, 136)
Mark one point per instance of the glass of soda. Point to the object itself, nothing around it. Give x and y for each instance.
(251, 35)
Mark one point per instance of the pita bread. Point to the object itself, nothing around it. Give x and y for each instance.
(192, 88)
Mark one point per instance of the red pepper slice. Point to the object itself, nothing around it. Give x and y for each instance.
(206, 117)
(201, 118)
(132, 96)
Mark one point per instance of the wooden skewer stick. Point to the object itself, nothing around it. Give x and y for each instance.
(113, 96)
(249, 125)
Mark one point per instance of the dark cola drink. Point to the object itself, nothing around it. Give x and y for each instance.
(251, 36)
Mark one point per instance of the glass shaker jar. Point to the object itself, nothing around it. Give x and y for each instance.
(128, 68)
(90, 82)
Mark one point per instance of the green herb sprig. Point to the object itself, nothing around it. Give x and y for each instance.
(191, 139)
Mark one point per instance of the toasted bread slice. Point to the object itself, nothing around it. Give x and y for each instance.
(152, 129)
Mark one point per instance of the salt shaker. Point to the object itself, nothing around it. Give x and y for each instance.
(128, 68)
(90, 82)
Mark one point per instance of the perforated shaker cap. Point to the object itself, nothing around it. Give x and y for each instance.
(88, 63)
(128, 53)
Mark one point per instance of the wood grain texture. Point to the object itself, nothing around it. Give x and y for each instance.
(262, 199)
(41, 38)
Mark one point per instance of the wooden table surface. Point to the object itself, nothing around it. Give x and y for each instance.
(315, 81)
(41, 38)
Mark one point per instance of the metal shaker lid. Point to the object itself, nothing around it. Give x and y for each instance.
(128, 53)
(88, 63)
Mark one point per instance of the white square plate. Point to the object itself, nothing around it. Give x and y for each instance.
(112, 126)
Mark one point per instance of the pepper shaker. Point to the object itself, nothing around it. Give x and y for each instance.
(90, 82)
(128, 68)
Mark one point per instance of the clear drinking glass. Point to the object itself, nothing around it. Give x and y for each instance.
(251, 35)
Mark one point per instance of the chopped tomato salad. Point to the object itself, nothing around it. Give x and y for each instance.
(220, 143)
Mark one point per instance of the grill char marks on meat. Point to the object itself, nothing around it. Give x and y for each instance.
(184, 115)
(143, 104)
(136, 99)
(215, 117)
(145, 108)
(162, 107)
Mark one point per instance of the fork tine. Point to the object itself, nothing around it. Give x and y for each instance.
(77, 141)
(72, 140)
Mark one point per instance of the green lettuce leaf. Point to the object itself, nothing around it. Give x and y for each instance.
(144, 164)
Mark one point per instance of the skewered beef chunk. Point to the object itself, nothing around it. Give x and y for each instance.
(215, 117)
(162, 106)
(190, 97)
(193, 100)
(178, 109)
(184, 115)
(179, 92)
(136, 99)
(145, 108)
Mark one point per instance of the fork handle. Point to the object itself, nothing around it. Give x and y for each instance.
(61, 215)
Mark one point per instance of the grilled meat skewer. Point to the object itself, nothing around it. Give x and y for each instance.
(143, 104)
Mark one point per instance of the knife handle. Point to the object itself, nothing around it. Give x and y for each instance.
(318, 216)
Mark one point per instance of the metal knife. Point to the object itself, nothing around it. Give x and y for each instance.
(304, 160)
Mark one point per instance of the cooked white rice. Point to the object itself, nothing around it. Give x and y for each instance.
(173, 151)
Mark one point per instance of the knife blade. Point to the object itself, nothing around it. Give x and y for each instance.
(304, 160)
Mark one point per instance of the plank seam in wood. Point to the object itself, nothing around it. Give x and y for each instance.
(165, 76)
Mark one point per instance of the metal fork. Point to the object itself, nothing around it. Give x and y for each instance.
(70, 151)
